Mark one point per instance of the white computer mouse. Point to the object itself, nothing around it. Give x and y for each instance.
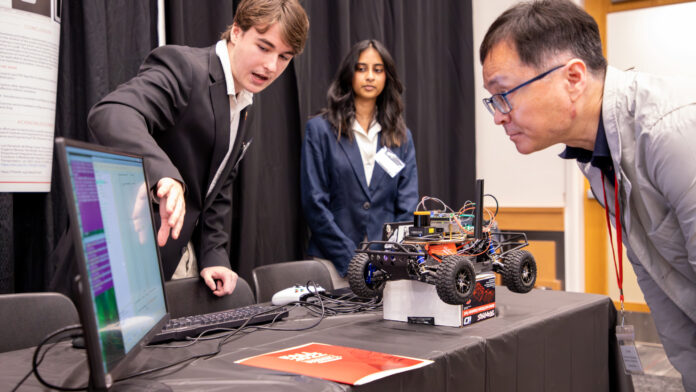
(294, 293)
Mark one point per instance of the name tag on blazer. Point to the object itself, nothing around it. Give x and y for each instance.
(245, 147)
(388, 161)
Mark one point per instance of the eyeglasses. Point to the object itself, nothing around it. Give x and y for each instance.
(500, 102)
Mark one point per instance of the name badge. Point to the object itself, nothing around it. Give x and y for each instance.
(626, 336)
(391, 163)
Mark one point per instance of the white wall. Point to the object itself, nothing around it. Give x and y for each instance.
(535, 180)
(161, 31)
(541, 179)
(657, 40)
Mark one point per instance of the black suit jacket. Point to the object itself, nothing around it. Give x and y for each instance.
(176, 114)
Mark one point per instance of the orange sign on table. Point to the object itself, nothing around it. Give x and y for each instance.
(335, 363)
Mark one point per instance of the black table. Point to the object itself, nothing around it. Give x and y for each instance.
(540, 341)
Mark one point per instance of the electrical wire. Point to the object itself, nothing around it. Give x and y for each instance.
(435, 199)
(148, 371)
(496, 203)
(312, 287)
(38, 363)
(201, 336)
(35, 364)
(317, 306)
(207, 355)
(223, 339)
(72, 327)
(346, 304)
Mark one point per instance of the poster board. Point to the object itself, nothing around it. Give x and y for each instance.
(29, 47)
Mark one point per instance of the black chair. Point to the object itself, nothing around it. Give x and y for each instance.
(271, 278)
(190, 296)
(26, 318)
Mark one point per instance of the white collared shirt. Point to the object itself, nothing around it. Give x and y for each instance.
(237, 104)
(367, 143)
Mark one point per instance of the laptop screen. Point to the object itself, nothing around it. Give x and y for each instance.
(121, 290)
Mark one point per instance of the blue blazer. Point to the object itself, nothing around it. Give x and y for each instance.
(340, 209)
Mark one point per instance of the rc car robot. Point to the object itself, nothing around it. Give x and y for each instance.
(445, 248)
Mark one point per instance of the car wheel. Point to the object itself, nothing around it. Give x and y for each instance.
(456, 279)
(519, 271)
(365, 280)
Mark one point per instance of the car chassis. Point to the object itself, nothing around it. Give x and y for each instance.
(449, 260)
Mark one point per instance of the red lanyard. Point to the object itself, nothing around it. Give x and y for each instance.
(618, 269)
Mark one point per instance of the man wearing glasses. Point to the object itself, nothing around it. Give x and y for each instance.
(633, 135)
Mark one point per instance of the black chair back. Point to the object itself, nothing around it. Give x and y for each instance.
(271, 278)
(26, 318)
(190, 296)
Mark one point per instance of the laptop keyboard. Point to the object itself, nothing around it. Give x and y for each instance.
(191, 326)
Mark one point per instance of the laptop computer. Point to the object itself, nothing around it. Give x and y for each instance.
(121, 302)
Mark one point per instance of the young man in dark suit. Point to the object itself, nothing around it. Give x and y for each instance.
(185, 113)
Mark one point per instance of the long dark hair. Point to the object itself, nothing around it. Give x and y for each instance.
(340, 111)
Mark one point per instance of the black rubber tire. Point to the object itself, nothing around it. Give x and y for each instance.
(519, 271)
(357, 278)
(456, 279)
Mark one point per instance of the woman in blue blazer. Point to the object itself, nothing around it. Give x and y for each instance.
(358, 166)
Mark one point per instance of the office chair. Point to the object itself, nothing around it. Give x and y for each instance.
(26, 318)
(190, 296)
(271, 278)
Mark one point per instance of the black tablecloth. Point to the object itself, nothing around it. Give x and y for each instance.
(540, 341)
